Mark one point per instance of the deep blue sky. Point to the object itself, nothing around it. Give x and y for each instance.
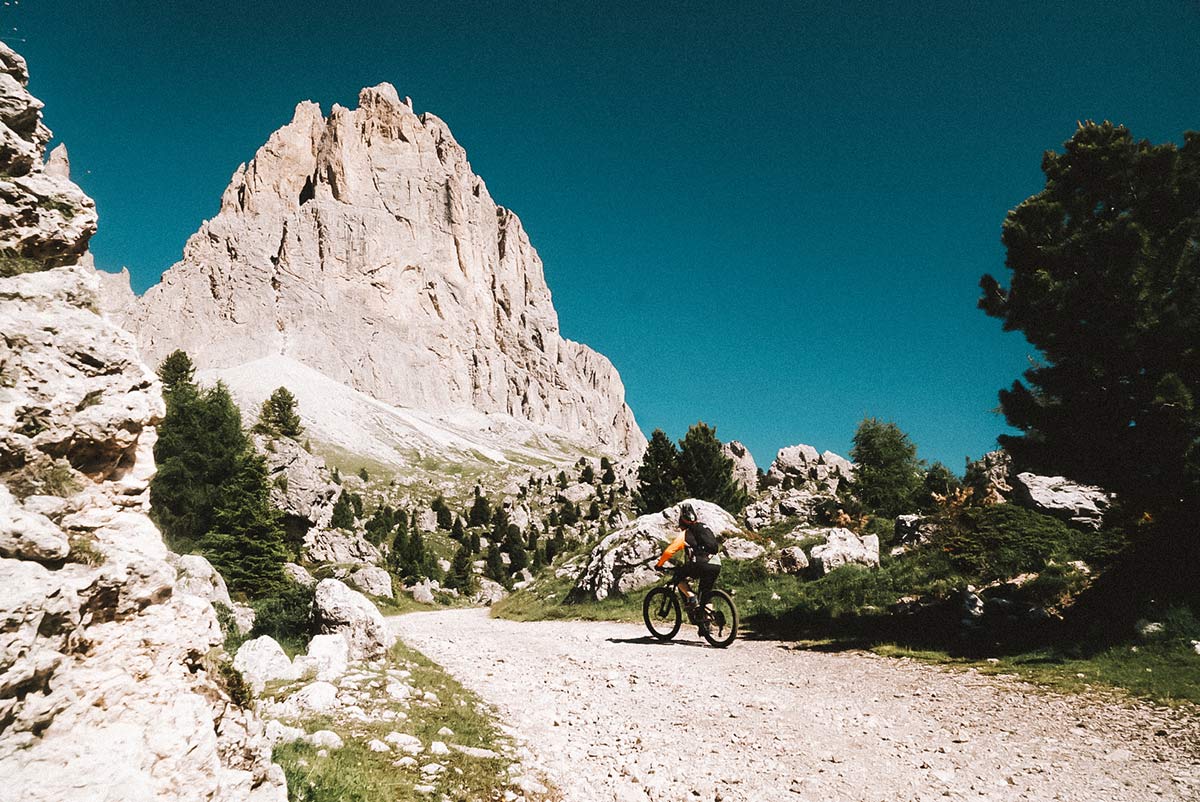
(771, 216)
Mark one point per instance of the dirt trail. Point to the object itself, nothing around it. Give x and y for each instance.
(611, 715)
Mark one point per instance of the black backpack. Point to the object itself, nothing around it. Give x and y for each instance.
(706, 542)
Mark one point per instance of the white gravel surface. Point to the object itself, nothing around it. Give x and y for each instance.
(609, 714)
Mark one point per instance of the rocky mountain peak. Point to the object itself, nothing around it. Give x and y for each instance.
(362, 245)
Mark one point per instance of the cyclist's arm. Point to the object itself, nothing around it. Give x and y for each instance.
(673, 549)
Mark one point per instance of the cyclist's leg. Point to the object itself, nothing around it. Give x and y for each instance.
(708, 574)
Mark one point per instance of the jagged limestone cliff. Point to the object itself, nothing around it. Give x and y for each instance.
(362, 247)
(108, 686)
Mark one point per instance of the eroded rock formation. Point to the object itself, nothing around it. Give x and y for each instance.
(363, 246)
(109, 681)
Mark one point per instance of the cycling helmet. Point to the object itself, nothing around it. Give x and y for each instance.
(687, 515)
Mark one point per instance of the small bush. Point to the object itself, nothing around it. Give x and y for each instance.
(83, 550)
(1003, 540)
(234, 684)
(286, 616)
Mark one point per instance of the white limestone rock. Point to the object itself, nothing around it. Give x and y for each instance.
(843, 547)
(301, 486)
(338, 546)
(363, 246)
(620, 563)
(745, 469)
(1081, 505)
(325, 739)
(337, 608)
(299, 574)
(198, 577)
(789, 560)
(263, 660)
(372, 580)
(326, 659)
(739, 548)
(107, 679)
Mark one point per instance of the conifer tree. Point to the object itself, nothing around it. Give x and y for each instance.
(177, 369)
(278, 415)
(245, 542)
(514, 544)
(457, 532)
(659, 485)
(481, 511)
(199, 443)
(399, 552)
(609, 476)
(562, 480)
(887, 475)
(593, 513)
(494, 566)
(460, 576)
(343, 512)
(476, 546)
(445, 518)
(362, 474)
(706, 472)
(588, 474)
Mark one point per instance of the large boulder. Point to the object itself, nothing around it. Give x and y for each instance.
(301, 485)
(1081, 505)
(621, 562)
(789, 560)
(198, 577)
(372, 580)
(843, 547)
(338, 609)
(745, 470)
(576, 493)
(299, 575)
(489, 592)
(263, 660)
(739, 548)
(338, 546)
(327, 658)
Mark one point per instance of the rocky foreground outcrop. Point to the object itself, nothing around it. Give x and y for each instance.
(110, 681)
(361, 245)
(798, 480)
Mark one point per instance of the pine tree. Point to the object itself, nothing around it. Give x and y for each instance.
(609, 476)
(396, 557)
(494, 566)
(587, 475)
(475, 544)
(659, 485)
(199, 442)
(362, 474)
(562, 480)
(460, 576)
(706, 472)
(514, 544)
(245, 542)
(593, 513)
(343, 512)
(887, 475)
(380, 524)
(457, 532)
(445, 518)
(278, 415)
(569, 514)
(481, 511)
(177, 369)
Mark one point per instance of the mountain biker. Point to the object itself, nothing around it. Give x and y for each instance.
(701, 561)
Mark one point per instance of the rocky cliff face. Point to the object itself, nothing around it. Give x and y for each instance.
(108, 683)
(362, 245)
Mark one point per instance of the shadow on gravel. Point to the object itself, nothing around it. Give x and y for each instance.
(646, 640)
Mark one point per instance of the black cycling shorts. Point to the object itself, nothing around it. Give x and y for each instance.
(705, 573)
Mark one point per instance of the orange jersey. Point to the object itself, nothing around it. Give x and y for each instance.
(676, 546)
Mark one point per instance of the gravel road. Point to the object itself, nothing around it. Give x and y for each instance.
(609, 714)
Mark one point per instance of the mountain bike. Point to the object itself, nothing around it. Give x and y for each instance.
(717, 615)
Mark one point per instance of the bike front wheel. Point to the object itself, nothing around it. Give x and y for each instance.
(721, 619)
(660, 610)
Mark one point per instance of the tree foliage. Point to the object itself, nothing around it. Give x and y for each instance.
(278, 416)
(343, 512)
(1105, 284)
(245, 542)
(177, 369)
(887, 475)
(481, 511)
(706, 472)
(659, 485)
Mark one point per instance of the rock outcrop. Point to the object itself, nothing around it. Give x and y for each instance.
(363, 246)
(338, 609)
(843, 547)
(301, 485)
(745, 469)
(109, 677)
(621, 562)
(798, 480)
(994, 479)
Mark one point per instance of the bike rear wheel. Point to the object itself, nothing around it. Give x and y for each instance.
(721, 623)
(660, 611)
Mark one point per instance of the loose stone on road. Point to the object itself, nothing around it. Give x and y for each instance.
(608, 714)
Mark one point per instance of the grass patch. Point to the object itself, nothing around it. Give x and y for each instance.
(1165, 676)
(354, 773)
